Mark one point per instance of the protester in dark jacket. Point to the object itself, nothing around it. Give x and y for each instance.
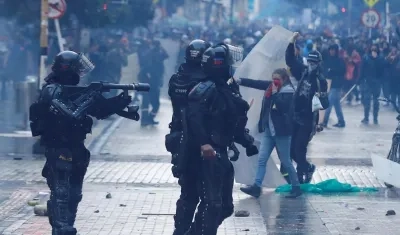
(371, 81)
(275, 123)
(305, 119)
(334, 70)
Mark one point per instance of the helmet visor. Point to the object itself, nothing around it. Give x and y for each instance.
(236, 55)
(85, 66)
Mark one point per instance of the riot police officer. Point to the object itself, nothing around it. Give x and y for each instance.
(216, 118)
(185, 155)
(63, 133)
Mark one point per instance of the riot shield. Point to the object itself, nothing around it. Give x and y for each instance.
(266, 56)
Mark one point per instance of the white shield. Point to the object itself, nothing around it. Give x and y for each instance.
(386, 170)
(266, 56)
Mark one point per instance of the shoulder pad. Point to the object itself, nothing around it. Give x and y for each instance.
(50, 92)
(202, 90)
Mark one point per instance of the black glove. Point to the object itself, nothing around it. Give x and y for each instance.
(107, 107)
(119, 102)
(251, 150)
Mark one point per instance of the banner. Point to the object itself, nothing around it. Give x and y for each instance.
(266, 56)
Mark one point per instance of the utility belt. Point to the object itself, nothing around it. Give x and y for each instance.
(173, 141)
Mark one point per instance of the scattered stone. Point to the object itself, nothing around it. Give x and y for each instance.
(122, 205)
(357, 228)
(96, 211)
(390, 212)
(34, 202)
(242, 213)
(108, 196)
(17, 158)
(360, 208)
(40, 210)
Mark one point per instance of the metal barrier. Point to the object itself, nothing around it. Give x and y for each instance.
(26, 93)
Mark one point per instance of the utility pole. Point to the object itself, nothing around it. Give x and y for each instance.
(44, 25)
(387, 13)
(231, 11)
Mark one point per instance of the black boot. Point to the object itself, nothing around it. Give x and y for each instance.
(300, 176)
(296, 192)
(339, 125)
(151, 119)
(365, 121)
(254, 190)
(309, 174)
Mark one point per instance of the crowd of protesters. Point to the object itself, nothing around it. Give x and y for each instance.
(364, 67)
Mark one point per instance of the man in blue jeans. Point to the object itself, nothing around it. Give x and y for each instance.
(334, 69)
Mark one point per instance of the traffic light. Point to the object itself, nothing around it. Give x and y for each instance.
(343, 10)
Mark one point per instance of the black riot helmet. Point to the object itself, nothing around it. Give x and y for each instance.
(218, 61)
(68, 67)
(195, 50)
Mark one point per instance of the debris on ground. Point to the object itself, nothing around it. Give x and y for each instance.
(34, 202)
(40, 210)
(390, 212)
(242, 213)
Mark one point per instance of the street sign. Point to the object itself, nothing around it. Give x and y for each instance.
(371, 3)
(57, 8)
(370, 18)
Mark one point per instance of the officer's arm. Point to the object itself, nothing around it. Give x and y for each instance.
(175, 121)
(256, 84)
(199, 103)
(39, 109)
(58, 105)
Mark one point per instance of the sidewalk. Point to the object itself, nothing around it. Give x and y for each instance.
(134, 167)
(132, 164)
(139, 211)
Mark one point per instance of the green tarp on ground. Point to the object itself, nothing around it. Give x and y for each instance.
(327, 186)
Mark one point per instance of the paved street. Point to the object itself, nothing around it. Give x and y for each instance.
(131, 164)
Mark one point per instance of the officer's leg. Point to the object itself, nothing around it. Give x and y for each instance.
(210, 185)
(155, 103)
(227, 191)
(82, 157)
(46, 173)
(145, 109)
(367, 103)
(375, 95)
(59, 175)
(187, 202)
